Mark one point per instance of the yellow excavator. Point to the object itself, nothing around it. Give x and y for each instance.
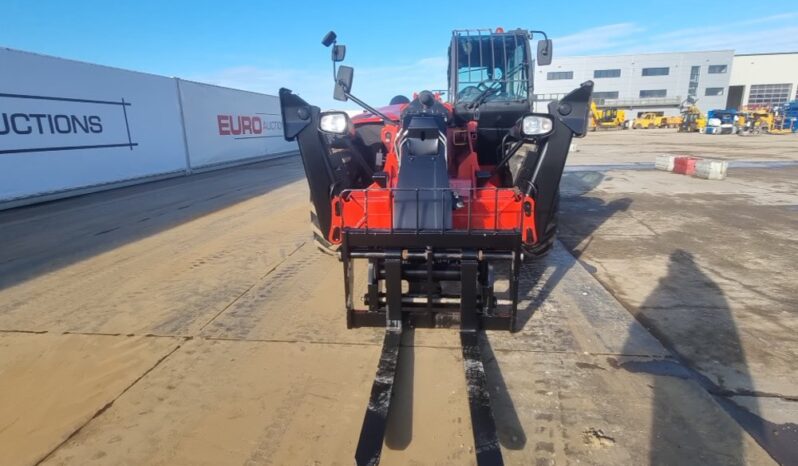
(692, 120)
(757, 121)
(608, 118)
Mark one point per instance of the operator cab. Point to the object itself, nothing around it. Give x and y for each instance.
(490, 80)
(609, 115)
(494, 68)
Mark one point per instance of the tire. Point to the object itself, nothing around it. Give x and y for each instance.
(319, 238)
(546, 243)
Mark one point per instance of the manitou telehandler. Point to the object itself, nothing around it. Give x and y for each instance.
(433, 195)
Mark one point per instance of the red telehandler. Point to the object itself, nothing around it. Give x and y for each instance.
(435, 194)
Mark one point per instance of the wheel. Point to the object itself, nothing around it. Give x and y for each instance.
(546, 243)
(319, 238)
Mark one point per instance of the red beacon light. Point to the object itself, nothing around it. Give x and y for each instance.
(499, 30)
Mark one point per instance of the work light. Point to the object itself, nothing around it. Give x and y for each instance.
(335, 123)
(535, 125)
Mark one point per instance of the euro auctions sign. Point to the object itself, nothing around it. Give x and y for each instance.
(226, 125)
(46, 123)
(246, 125)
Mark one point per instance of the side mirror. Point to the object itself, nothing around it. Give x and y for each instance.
(545, 52)
(343, 83)
(338, 53)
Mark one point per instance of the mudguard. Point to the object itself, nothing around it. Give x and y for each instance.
(301, 123)
(574, 109)
(540, 176)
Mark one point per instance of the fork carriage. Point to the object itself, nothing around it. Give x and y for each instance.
(444, 256)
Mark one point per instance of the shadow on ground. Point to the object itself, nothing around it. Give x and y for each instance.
(508, 425)
(686, 292)
(42, 238)
(578, 184)
(710, 337)
(399, 428)
(579, 217)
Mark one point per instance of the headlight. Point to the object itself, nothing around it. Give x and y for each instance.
(335, 122)
(534, 125)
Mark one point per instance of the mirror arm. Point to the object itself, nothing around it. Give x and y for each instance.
(335, 72)
(545, 37)
(369, 108)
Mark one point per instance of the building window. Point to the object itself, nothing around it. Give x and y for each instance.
(769, 94)
(653, 93)
(710, 91)
(692, 88)
(552, 75)
(547, 97)
(607, 73)
(605, 95)
(714, 69)
(656, 71)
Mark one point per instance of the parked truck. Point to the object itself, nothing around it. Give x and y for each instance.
(648, 120)
(727, 121)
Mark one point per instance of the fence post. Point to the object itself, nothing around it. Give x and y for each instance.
(183, 126)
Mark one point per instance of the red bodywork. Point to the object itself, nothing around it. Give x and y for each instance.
(487, 207)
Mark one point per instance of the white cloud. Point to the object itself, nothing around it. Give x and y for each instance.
(374, 85)
(775, 33)
(597, 39)
(309, 83)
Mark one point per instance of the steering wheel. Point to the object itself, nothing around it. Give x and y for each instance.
(488, 84)
(467, 91)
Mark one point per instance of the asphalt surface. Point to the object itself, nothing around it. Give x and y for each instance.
(191, 321)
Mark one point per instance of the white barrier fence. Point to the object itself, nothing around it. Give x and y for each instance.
(224, 125)
(68, 127)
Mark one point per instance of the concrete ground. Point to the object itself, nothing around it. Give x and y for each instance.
(191, 321)
(708, 267)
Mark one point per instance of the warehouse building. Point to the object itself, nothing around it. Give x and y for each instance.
(651, 82)
(763, 79)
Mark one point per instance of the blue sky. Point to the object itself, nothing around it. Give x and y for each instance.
(397, 47)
